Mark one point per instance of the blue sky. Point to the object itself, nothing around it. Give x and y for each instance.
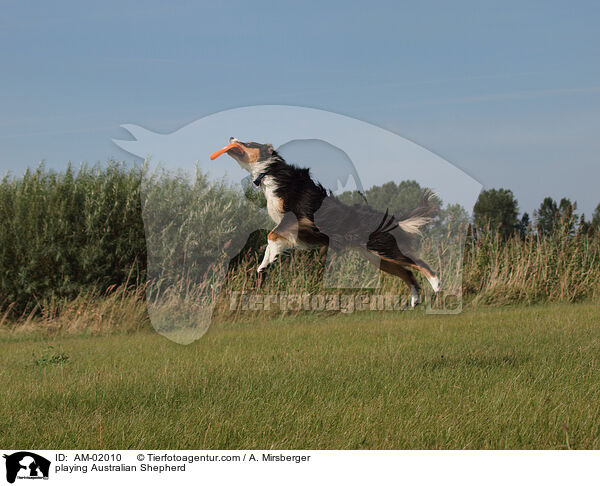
(507, 91)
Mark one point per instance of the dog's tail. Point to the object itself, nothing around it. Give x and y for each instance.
(421, 215)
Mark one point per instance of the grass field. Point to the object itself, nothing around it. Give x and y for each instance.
(519, 377)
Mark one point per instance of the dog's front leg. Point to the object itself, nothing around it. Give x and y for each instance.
(266, 259)
(276, 245)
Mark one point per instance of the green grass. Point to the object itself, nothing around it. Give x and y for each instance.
(521, 377)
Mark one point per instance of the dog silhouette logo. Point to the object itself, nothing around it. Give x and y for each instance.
(26, 465)
(193, 234)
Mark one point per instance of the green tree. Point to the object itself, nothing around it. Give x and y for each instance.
(453, 219)
(524, 226)
(399, 199)
(496, 209)
(551, 214)
(545, 216)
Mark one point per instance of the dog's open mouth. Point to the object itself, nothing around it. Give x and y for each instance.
(236, 147)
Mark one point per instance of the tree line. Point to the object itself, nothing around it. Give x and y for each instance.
(498, 210)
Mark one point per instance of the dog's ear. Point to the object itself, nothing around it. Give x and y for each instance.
(270, 148)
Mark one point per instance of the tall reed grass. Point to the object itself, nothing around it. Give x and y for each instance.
(64, 234)
(74, 253)
(560, 267)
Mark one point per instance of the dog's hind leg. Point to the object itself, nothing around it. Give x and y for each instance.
(429, 274)
(386, 246)
(395, 268)
(398, 269)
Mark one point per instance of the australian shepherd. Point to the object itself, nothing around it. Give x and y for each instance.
(308, 216)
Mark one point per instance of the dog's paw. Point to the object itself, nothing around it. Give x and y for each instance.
(415, 299)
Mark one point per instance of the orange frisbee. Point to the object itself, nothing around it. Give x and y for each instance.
(227, 148)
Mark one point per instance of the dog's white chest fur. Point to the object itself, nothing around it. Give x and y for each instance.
(273, 202)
